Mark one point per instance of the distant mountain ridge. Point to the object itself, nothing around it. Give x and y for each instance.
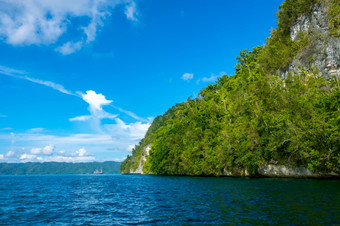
(37, 168)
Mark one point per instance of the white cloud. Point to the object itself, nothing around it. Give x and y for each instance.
(47, 150)
(209, 79)
(135, 130)
(69, 47)
(36, 130)
(47, 154)
(80, 155)
(212, 78)
(130, 147)
(96, 101)
(27, 157)
(59, 158)
(7, 128)
(187, 76)
(82, 152)
(10, 71)
(21, 75)
(131, 11)
(131, 114)
(35, 22)
(10, 154)
(81, 118)
(115, 140)
(50, 84)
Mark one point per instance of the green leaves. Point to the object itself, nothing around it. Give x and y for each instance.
(254, 117)
(248, 120)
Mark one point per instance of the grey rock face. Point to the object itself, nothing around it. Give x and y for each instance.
(323, 53)
(139, 169)
(286, 171)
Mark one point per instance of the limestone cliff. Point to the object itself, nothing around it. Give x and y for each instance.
(323, 50)
(141, 162)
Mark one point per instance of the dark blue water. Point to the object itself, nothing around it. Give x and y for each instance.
(135, 199)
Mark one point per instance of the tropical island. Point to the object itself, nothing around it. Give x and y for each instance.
(278, 115)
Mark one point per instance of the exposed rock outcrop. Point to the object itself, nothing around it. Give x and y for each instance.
(139, 169)
(286, 171)
(323, 51)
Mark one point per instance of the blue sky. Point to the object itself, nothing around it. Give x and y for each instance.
(82, 80)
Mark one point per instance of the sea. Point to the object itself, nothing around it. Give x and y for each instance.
(159, 200)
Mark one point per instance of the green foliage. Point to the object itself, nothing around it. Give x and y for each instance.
(280, 49)
(334, 13)
(37, 168)
(132, 162)
(288, 13)
(250, 119)
(254, 117)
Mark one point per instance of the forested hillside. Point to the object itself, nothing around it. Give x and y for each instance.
(257, 117)
(37, 168)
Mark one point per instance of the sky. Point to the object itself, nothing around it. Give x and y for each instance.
(82, 80)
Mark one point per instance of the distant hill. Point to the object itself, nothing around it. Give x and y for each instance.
(37, 168)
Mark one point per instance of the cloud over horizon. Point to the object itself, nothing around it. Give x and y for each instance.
(36, 145)
(47, 150)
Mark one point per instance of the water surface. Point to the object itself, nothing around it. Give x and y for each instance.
(137, 199)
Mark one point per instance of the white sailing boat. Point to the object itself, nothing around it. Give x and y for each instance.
(98, 172)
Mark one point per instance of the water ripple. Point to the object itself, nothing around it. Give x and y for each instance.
(154, 200)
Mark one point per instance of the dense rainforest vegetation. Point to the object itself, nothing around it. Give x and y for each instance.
(254, 117)
(37, 168)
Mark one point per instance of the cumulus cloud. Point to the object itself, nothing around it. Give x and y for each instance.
(10, 154)
(187, 76)
(209, 79)
(27, 157)
(96, 101)
(35, 22)
(116, 140)
(82, 152)
(212, 78)
(47, 154)
(59, 158)
(81, 155)
(47, 150)
(131, 11)
(69, 47)
(39, 144)
(135, 130)
(130, 147)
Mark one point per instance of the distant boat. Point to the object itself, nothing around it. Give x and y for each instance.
(98, 172)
